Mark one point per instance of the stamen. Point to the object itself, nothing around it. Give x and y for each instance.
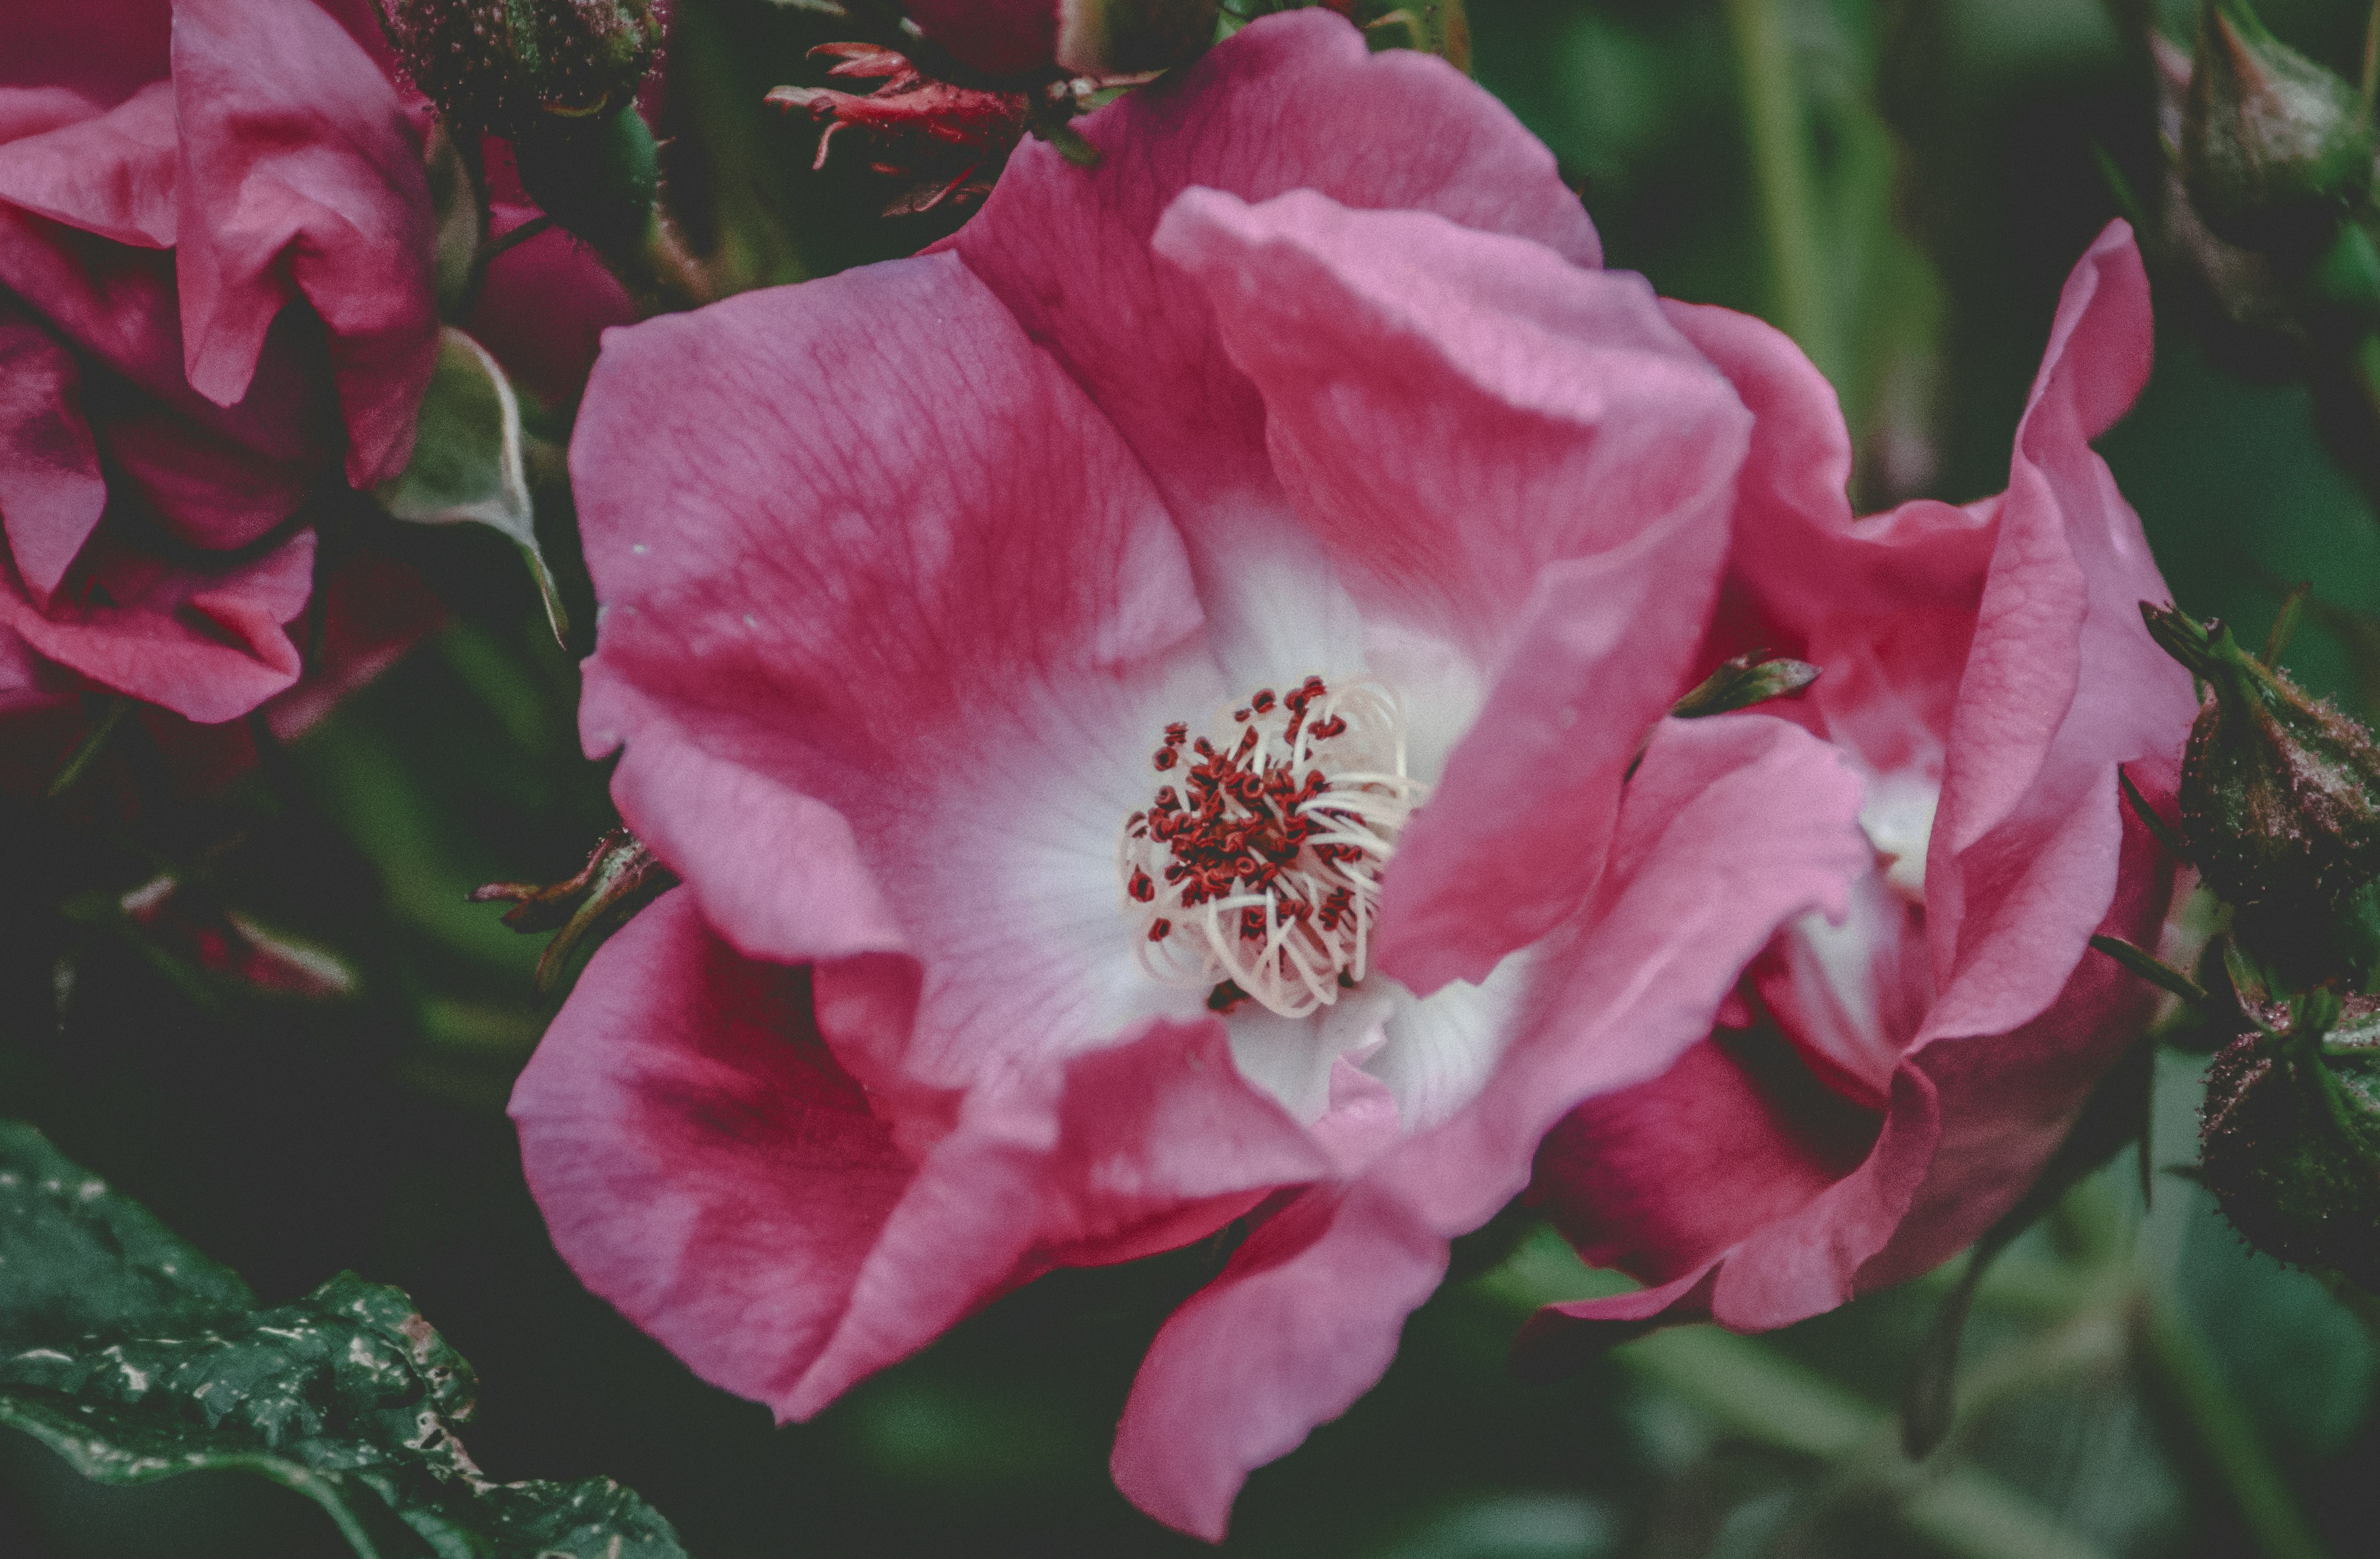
(1261, 874)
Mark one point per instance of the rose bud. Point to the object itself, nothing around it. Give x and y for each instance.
(2274, 147)
(2289, 1134)
(2278, 805)
(505, 65)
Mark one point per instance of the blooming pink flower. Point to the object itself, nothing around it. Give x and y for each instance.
(1317, 462)
(1896, 1081)
(214, 293)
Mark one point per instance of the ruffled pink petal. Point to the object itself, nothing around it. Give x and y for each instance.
(1731, 826)
(219, 477)
(1067, 249)
(1886, 604)
(2033, 851)
(209, 646)
(301, 177)
(111, 174)
(883, 657)
(102, 50)
(1660, 1178)
(1499, 449)
(51, 490)
(701, 1160)
(1121, 1152)
(997, 37)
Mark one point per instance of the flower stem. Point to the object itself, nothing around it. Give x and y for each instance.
(2172, 1350)
(1777, 136)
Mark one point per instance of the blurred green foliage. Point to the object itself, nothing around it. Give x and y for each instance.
(2135, 1382)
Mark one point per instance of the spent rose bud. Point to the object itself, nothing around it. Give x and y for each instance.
(2280, 808)
(2289, 1134)
(508, 65)
(2274, 147)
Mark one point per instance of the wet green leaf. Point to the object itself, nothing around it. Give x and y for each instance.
(134, 1357)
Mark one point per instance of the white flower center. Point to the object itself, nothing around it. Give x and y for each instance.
(1259, 876)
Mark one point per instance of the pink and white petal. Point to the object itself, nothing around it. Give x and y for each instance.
(701, 1160)
(52, 492)
(110, 174)
(1067, 249)
(301, 177)
(1118, 1153)
(2006, 1103)
(1515, 454)
(924, 644)
(209, 646)
(1731, 826)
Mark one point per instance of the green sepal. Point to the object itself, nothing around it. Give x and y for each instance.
(469, 463)
(1743, 681)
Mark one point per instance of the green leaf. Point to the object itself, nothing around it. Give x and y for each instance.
(134, 1357)
(468, 462)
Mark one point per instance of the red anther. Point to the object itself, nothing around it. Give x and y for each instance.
(1166, 800)
(1166, 758)
(1241, 715)
(1204, 747)
(1160, 929)
(1334, 727)
(1262, 703)
(1252, 925)
(1142, 888)
(1176, 734)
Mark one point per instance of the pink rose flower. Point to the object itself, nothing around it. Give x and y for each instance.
(1301, 451)
(214, 296)
(1894, 1083)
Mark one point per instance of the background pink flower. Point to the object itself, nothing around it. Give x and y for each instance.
(907, 572)
(214, 297)
(1986, 671)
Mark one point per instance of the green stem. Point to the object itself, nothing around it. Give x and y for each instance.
(1779, 140)
(2171, 1348)
(88, 748)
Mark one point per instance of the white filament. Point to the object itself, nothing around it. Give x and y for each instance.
(1298, 965)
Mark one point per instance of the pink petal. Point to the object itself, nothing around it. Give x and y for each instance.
(301, 177)
(1500, 449)
(2062, 685)
(110, 174)
(1732, 825)
(1660, 1178)
(1122, 1151)
(870, 643)
(2033, 851)
(210, 646)
(51, 490)
(1067, 249)
(1887, 603)
(701, 1160)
